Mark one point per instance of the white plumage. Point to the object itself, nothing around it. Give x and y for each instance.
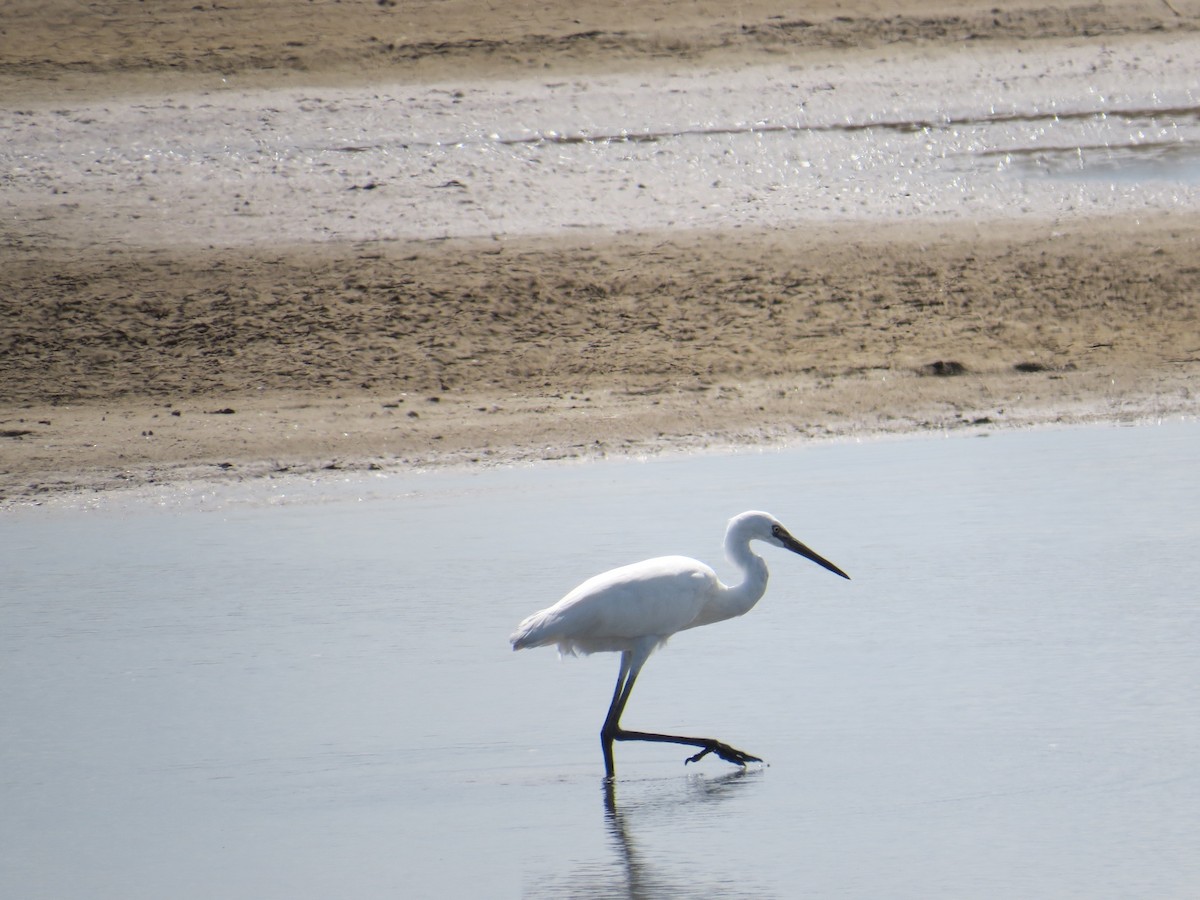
(610, 611)
(636, 608)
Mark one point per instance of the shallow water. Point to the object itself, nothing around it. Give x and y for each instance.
(306, 690)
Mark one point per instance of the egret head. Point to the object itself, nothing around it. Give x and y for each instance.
(761, 526)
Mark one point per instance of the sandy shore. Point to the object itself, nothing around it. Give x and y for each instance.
(132, 361)
(59, 49)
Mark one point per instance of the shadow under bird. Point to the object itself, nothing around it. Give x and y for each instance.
(634, 609)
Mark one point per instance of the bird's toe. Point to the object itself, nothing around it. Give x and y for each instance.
(725, 752)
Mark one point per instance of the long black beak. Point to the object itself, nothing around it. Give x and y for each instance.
(796, 547)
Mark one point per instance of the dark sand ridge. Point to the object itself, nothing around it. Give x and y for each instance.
(54, 48)
(403, 354)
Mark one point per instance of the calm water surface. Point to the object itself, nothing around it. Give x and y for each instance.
(243, 697)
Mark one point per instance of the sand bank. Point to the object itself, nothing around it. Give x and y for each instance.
(242, 343)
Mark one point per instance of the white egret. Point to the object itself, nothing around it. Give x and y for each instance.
(634, 609)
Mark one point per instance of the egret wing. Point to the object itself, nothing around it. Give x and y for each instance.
(650, 599)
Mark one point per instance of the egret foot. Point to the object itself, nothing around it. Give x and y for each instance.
(727, 753)
(707, 745)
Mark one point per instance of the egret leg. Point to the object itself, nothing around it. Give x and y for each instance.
(612, 730)
(614, 714)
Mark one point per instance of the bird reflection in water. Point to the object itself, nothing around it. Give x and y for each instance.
(640, 820)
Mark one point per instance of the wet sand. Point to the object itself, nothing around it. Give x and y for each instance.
(155, 357)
